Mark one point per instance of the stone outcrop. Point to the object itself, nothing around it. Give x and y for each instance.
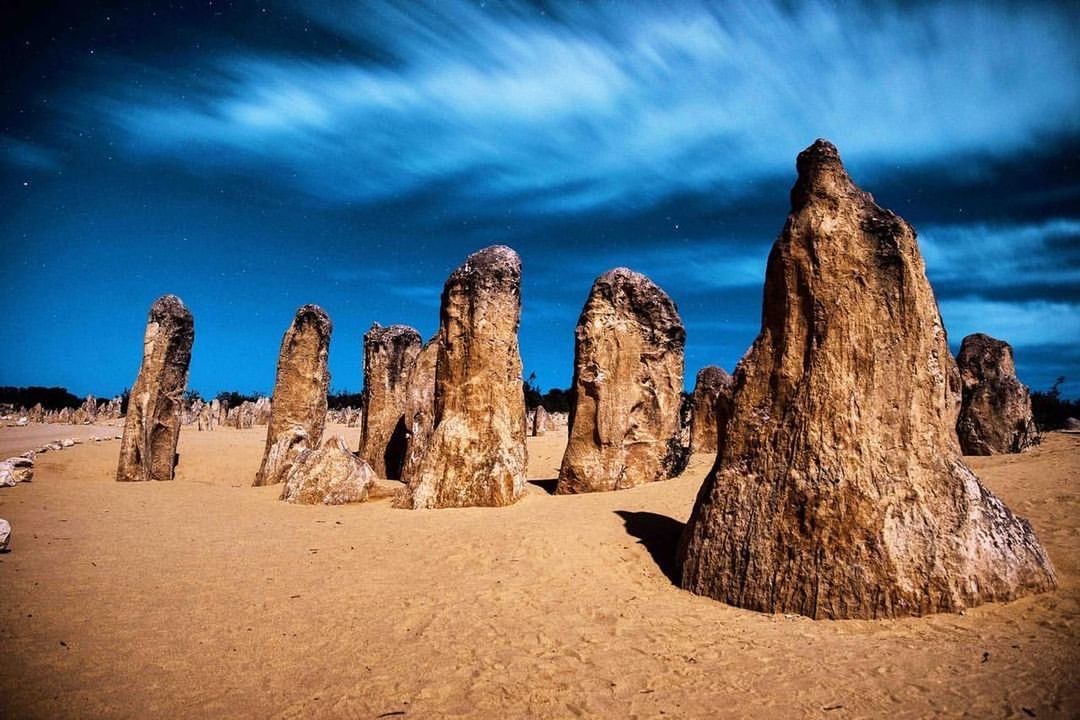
(299, 401)
(838, 491)
(330, 475)
(711, 408)
(152, 427)
(628, 381)
(476, 453)
(995, 413)
(419, 408)
(16, 470)
(541, 423)
(389, 354)
(36, 414)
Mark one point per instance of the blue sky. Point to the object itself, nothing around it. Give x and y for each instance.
(252, 157)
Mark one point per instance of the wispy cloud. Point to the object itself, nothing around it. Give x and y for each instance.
(623, 103)
(1019, 261)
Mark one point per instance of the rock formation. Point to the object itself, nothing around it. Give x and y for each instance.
(628, 382)
(16, 470)
(330, 475)
(995, 414)
(152, 427)
(476, 453)
(389, 354)
(299, 401)
(419, 408)
(838, 491)
(5, 535)
(541, 423)
(36, 414)
(711, 407)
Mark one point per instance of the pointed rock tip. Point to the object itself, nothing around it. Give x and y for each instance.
(312, 314)
(821, 173)
(169, 305)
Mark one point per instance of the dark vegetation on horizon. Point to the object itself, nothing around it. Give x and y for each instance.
(554, 400)
(1050, 410)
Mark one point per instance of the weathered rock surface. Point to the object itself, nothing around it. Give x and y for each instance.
(995, 414)
(330, 475)
(711, 408)
(628, 381)
(838, 491)
(419, 408)
(476, 454)
(389, 354)
(299, 401)
(152, 427)
(5, 535)
(1072, 424)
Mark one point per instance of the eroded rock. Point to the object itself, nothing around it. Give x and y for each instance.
(839, 491)
(330, 475)
(299, 401)
(711, 407)
(152, 426)
(389, 354)
(5, 535)
(628, 381)
(995, 414)
(419, 408)
(476, 454)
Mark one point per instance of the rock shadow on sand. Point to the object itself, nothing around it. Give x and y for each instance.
(659, 534)
(547, 486)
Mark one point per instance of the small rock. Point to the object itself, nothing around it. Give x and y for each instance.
(5, 535)
(67, 442)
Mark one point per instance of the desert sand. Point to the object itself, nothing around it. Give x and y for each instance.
(206, 597)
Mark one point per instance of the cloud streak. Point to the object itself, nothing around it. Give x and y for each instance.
(621, 104)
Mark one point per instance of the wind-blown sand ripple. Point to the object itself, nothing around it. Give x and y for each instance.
(205, 597)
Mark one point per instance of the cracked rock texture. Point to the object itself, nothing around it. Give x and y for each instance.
(625, 425)
(475, 455)
(389, 354)
(995, 413)
(152, 425)
(839, 491)
(298, 407)
(711, 408)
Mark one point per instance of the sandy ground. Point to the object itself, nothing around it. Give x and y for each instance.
(208, 598)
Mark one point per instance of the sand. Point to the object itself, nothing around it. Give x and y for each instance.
(208, 598)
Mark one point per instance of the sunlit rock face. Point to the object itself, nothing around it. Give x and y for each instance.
(389, 354)
(838, 491)
(152, 427)
(330, 475)
(995, 414)
(476, 452)
(628, 381)
(298, 407)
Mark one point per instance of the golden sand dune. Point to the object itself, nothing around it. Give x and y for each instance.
(206, 597)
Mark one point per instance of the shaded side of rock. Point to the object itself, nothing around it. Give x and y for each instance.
(838, 491)
(152, 426)
(303, 378)
(628, 381)
(995, 412)
(711, 408)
